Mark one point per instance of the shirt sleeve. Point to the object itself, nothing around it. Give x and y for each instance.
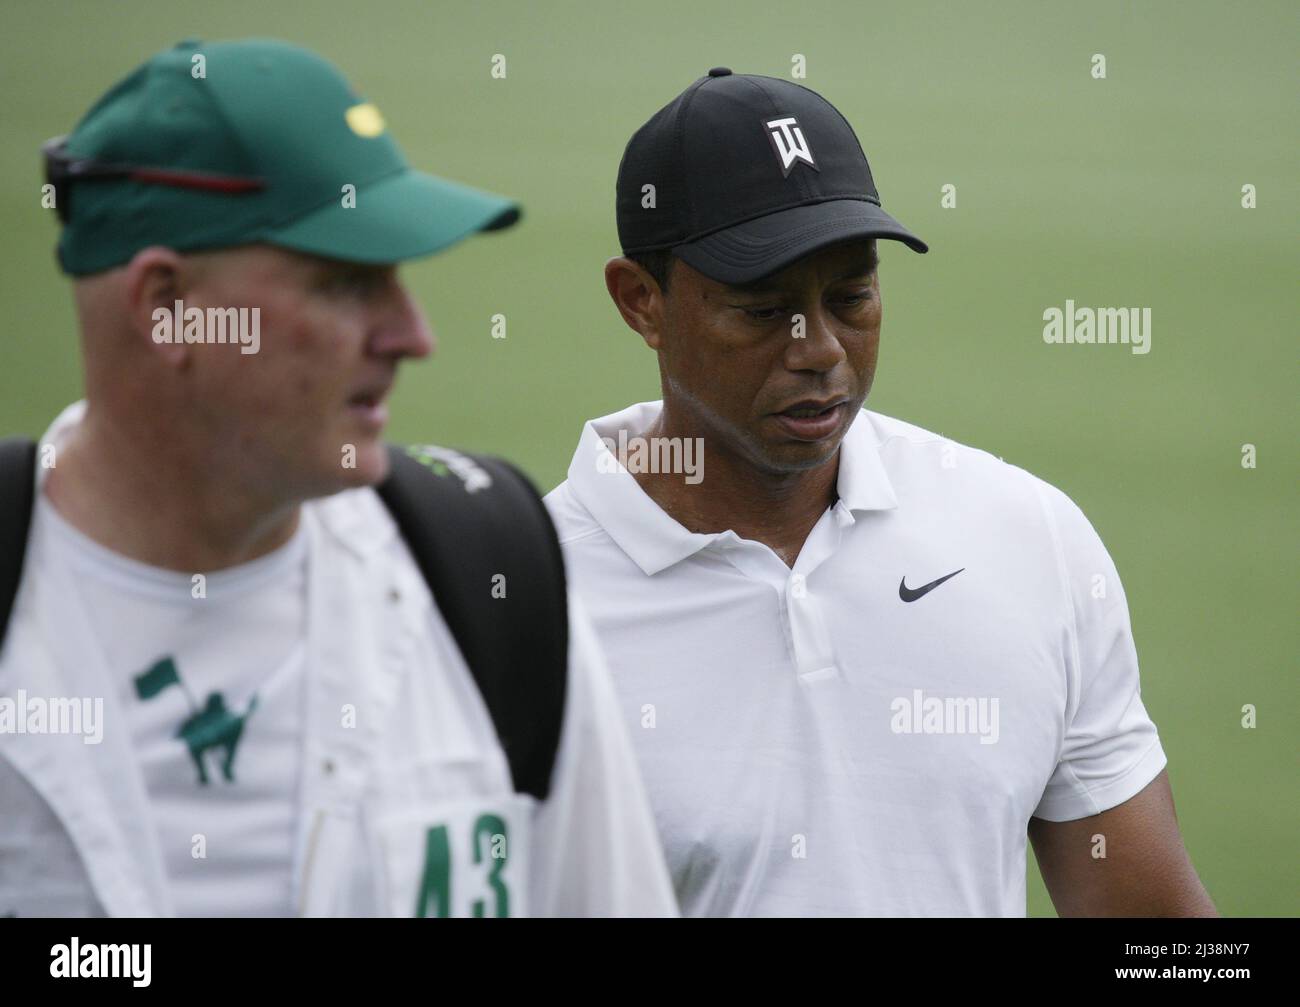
(596, 851)
(1110, 750)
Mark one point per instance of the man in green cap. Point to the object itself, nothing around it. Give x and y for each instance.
(274, 714)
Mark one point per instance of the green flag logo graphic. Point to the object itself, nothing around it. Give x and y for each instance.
(214, 728)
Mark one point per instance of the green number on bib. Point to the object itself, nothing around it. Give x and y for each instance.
(436, 884)
(489, 844)
(491, 826)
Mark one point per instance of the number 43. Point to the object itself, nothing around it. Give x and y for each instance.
(434, 896)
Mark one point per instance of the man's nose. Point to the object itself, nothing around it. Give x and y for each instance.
(400, 328)
(818, 347)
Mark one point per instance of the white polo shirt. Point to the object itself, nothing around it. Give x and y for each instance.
(815, 744)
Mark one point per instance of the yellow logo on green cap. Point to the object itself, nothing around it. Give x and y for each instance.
(365, 120)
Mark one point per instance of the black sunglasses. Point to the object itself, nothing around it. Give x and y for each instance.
(61, 169)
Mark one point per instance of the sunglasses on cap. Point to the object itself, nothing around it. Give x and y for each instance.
(62, 168)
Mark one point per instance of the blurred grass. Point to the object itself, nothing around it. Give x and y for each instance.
(1117, 192)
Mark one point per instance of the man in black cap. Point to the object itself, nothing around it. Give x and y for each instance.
(861, 662)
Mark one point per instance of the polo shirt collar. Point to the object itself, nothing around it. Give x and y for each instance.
(643, 530)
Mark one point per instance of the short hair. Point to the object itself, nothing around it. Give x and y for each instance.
(658, 263)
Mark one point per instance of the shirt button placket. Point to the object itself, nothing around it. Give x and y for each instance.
(812, 651)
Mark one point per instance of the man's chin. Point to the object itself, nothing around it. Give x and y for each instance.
(806, 461)
(788, 456)
(361, 463)
(372, 465)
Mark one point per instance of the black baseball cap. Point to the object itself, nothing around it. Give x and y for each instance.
(749, 174)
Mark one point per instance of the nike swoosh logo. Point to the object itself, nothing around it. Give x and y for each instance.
(911, 594)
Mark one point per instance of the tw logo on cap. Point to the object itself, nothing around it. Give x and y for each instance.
(789, 143)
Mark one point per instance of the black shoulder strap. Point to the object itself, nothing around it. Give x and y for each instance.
(485, 544)
(17, 494)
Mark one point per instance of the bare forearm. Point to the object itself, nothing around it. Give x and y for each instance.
(1128, 861)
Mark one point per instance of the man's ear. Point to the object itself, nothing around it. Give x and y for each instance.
(152, 288)
(637, 297)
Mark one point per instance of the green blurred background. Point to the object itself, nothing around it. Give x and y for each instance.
(1117, 192)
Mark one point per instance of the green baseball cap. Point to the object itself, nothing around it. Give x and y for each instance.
(210, 145)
